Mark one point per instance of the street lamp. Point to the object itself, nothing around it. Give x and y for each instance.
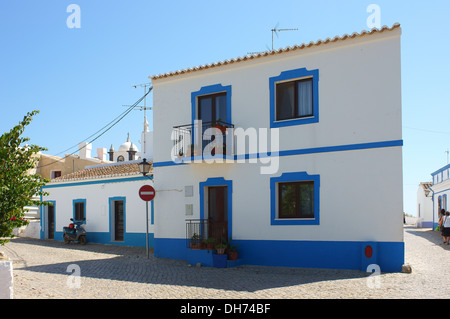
(144, 167)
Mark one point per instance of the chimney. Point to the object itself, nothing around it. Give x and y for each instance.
(101, 154)
(85, 150)
(111, 154)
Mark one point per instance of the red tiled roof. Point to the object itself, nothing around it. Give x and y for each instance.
(102, 171)
(275, 52)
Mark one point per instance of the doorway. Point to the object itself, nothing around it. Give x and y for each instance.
(117, 220)
(218, 212)
(51, 221)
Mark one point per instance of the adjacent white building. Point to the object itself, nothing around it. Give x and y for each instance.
(310, 171)
(440, 191)
(106, 195)
(425, 205)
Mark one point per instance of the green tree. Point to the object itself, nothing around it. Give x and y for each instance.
(17, 186)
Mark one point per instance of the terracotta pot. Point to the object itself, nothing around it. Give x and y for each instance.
(233, 255)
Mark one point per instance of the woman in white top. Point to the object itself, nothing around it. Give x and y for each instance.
(446, 230)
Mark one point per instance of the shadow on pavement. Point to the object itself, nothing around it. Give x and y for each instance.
(132, 265)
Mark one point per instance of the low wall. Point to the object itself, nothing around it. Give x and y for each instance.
(6, 278)
(31, 231)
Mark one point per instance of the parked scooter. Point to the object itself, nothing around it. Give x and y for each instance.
(75, 232)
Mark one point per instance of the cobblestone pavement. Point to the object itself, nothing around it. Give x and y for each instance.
(41, 271)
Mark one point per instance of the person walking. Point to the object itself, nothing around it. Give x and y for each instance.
(446, 228)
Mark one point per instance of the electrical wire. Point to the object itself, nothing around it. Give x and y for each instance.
(106, 128)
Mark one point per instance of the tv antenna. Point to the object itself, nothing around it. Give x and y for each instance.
(142, 107)
(276, 30)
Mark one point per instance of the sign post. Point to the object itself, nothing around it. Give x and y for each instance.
(147, 193)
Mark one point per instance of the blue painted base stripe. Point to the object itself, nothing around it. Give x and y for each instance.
(130, 239)
(303, 254)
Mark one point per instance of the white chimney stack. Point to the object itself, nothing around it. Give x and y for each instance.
(102, 154)
(85, 150)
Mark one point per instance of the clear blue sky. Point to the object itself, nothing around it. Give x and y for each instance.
(80, 78)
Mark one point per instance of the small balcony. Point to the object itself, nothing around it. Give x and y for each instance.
(200, 141)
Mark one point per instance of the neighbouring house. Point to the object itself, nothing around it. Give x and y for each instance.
(440, 192)
(425, 205)
(106, 195)
(295, 154)
(50, 166)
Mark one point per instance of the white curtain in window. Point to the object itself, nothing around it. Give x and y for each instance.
(305, 98)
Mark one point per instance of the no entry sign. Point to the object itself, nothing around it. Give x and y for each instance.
(147, 193)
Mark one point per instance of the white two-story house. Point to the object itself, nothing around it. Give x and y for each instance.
(440, 188)
(295, 154)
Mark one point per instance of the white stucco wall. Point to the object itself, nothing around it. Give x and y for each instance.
(97, 204)
(6, 279)
(359, 102)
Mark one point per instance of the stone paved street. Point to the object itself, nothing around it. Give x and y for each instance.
(41, 271)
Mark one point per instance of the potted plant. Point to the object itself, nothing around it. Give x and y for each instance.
(218, 124)
(232, 253)
(220, 248)
(196, 241)
(210, 243)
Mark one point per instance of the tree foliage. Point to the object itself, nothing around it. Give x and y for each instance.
(17, 186)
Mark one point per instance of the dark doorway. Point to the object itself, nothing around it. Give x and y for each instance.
(218, 212)
(118, 220)
(51, 221)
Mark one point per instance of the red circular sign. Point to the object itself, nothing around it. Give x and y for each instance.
(147, 193)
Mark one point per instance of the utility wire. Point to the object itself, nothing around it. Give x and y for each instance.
(106, 128)
(425, 130)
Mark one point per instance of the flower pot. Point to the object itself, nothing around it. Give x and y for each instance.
(197, 246)
(233, 255)
(220, 251)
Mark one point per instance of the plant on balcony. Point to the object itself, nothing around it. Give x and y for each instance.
(218, 124)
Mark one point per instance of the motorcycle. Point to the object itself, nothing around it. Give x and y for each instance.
(76, 232)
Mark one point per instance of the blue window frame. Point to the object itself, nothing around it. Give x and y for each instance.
(300, 88)
(208, 90)
(79, 209)
(276, 183)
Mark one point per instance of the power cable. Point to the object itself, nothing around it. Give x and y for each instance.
(107, 127)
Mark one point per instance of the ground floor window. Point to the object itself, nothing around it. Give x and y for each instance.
(295, 199)
(79, 210)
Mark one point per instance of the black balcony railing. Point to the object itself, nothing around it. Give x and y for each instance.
(200, 232)
(203, 139)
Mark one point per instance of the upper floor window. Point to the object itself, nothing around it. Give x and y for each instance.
(212, 108)
(294, 98)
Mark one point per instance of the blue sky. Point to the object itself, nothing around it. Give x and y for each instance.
(80, 79)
